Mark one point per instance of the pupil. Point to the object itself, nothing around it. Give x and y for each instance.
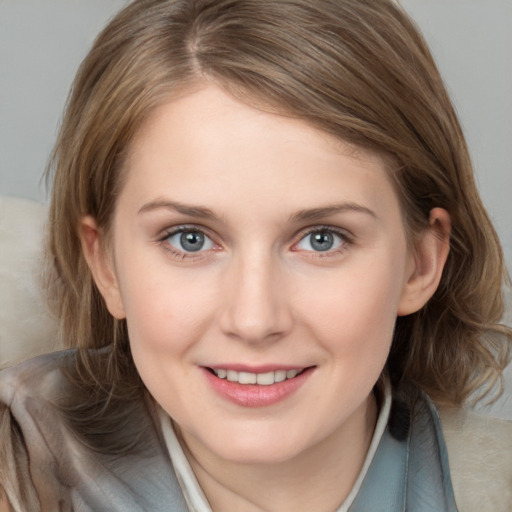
(322, 241)
(192, 241)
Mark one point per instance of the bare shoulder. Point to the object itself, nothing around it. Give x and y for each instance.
(480, 456)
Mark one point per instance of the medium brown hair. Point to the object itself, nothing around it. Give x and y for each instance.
(357, 69)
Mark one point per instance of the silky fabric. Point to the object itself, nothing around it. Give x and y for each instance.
(46, 466)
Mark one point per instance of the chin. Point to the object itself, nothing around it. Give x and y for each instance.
(260, 448)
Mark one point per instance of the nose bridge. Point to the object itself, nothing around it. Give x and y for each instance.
(257, 308)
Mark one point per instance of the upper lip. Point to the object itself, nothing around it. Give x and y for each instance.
(256, 369)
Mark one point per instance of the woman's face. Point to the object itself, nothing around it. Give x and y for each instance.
(260, 265)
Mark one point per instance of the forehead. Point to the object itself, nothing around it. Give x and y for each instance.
(207, 145)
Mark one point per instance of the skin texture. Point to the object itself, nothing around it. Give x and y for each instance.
(258, 295)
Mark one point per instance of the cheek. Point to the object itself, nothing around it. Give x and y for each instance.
(165, 310)
(354, 314)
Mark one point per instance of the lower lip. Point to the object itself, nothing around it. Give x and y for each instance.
(252, 395)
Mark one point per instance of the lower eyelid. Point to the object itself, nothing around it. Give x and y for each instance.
(179, 255)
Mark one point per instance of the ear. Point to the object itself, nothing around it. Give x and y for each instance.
(101, 265)
(427, 263)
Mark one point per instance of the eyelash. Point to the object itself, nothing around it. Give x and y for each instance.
(345, 237)
(182, 255)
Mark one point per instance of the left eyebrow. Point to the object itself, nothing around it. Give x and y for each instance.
(326, 211)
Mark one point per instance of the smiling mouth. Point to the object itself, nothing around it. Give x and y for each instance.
(262, 379)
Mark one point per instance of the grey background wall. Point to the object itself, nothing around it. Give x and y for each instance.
(43, 41)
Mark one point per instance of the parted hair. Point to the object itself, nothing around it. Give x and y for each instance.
(357, 69)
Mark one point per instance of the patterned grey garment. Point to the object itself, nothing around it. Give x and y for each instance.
(44, 467)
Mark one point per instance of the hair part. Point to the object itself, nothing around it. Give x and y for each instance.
(359, 70)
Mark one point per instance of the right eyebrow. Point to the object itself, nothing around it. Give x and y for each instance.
(185, 209)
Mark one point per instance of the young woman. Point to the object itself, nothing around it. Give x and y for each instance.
(268, 257)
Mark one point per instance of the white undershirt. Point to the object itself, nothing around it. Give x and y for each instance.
(194, 496)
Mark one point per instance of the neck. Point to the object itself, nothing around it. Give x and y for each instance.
(319, 478)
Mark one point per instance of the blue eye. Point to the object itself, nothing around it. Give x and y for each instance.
(189, 240)
(321, 240)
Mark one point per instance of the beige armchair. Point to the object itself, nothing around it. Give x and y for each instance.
(26, 328)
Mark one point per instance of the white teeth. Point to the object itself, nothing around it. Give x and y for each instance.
(247, 378)
(280, 376)
(232, 375)
(263, 379)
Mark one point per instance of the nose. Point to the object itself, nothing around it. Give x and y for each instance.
(256, 306)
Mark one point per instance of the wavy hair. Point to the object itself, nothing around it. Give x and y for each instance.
(359, 70)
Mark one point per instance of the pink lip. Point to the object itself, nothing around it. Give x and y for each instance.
(252, 395)
(254, 369)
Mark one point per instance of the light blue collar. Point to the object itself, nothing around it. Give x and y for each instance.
(409, 474)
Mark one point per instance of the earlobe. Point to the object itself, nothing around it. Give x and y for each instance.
(428, 260)
(101, 266)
